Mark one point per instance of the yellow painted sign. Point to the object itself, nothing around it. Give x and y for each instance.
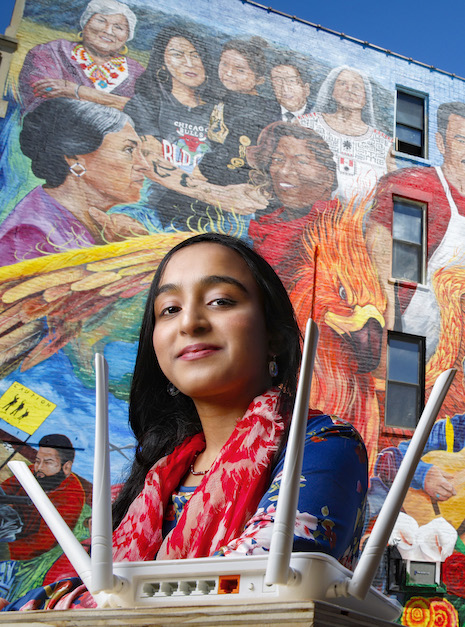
(23, 408)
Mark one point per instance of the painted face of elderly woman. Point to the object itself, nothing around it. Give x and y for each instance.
(345, 100)
(95, 69)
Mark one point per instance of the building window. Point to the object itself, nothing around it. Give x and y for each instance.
(410, 124)
(408, 241)
(405, 388)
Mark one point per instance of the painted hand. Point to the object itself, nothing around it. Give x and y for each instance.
(117, 226)
(438, 484)
(54, 88)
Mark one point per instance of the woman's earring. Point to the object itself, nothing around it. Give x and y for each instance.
(124, 50)
(172, 389)
(162, 74)
(80, 35)
(273, 367)
(77, 169)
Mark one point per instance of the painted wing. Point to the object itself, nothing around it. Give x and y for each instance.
(46, 302)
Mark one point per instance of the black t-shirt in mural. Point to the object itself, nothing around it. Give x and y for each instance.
(182, 132)
(212, 137)
(235, 123)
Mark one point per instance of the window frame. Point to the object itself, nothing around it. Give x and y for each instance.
(396, 198)
(424, 97)
(420, 385)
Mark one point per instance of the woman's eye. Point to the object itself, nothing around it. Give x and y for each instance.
(129, 149)
(342, 292)
(222, 302)
(171, 309)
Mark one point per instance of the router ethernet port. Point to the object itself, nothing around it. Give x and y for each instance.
(185, 587)
(168, 587)
(229, 584)
(205, 586)
(149, 589)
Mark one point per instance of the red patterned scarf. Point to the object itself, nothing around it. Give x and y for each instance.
(219, 508)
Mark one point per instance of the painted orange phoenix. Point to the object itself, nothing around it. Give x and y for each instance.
(348, 306)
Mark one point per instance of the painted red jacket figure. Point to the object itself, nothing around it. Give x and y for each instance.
(423, 185)
(52, 469)
(35, 537)
(279, 241)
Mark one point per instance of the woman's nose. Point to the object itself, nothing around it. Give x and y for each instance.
(193, 320)
(286, 166)
(140, 161)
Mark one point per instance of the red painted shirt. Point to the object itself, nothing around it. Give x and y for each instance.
(35, 537)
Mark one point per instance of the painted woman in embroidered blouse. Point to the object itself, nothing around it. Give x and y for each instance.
(95, 69)
(214, 382)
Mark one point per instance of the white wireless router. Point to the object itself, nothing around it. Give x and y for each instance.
(281, 576)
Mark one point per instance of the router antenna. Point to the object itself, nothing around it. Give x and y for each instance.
(373, 551)
(278, 571)
(101, 556)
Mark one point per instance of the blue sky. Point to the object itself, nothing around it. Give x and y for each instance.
(410, 27)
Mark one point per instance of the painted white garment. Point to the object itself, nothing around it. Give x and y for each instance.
(422, 316)
(433, 542)
(360, 159)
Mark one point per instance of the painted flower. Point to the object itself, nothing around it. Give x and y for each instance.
(417, 613)
(453, 574)
(445, 614)
(435, 612)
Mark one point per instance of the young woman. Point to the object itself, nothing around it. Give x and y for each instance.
(240, 114)
(212, 391)
(171, 110)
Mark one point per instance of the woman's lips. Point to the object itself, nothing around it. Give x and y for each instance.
(197, 351)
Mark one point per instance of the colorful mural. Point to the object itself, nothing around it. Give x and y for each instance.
(131, 126)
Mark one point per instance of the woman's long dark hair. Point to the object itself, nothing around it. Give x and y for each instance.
(64, 127)
(156, 77)
(159, 421)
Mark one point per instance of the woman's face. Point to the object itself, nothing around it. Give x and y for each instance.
(210, 335)
(349, 90)
(236, 74)
(296, 174)
(105, 34)
(183, 62)
(115, 172)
